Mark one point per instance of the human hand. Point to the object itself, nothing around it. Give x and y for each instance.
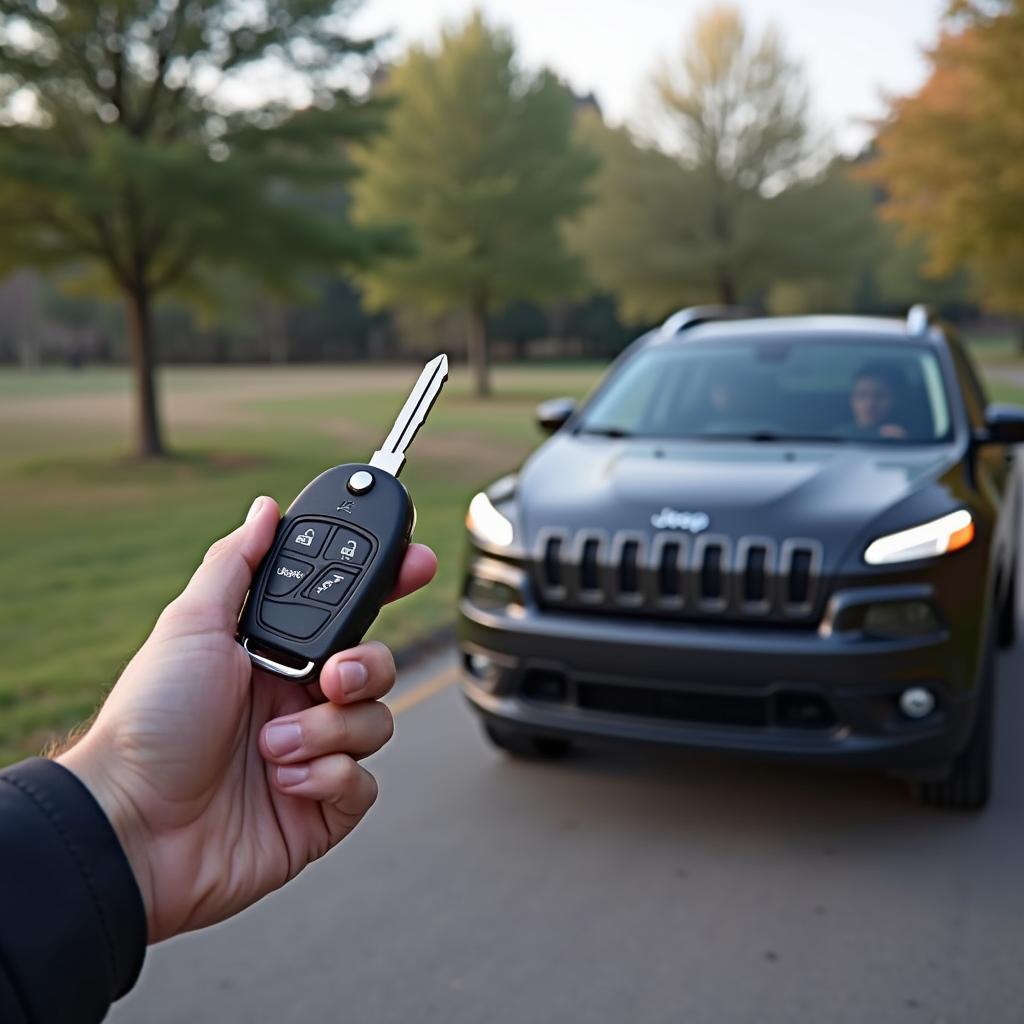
(892, 430)
(223, 781)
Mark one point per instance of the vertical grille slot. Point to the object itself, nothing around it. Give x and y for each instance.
(798, 589)
(800, 567)
(629, 582)
(552, 562)
(589, 579)
(711, 573)
(754, 586)
(668, 572)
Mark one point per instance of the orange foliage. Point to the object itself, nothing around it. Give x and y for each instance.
(950, 158)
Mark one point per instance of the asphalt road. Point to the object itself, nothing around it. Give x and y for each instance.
(621, 887)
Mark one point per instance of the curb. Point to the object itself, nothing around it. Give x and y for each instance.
(430, 643)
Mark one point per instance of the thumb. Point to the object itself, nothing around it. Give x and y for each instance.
(218, 587)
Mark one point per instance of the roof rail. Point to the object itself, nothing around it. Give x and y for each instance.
(919, 318)
(694, 315)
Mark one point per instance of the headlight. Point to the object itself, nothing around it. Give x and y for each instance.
(938, 537)
(485, 522)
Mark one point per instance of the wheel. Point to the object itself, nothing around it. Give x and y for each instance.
(522, 744)
(968, 784)
(1007, 630)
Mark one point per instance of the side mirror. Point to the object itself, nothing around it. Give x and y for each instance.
(1004, 424)
(553, 414)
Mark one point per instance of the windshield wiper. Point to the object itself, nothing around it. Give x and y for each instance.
(771, 435)
(604, 431)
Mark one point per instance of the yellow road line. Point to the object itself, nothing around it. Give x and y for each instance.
(408, 700)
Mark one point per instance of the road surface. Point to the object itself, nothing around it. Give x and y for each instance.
(624, 887)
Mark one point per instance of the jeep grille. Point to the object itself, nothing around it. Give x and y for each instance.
(710, 576)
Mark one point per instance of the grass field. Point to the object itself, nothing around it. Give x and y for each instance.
(95, 543)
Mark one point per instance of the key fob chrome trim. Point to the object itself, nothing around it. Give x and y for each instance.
(276, 666)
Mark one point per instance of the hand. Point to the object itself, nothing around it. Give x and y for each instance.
(891, 430)
(221, 781)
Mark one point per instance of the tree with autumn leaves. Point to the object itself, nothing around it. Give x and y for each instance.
(951, 156)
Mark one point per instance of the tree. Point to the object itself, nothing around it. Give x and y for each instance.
(951, 155)
(724, 199)
(118, 145)
(736, 110)
(649, 235)
(479, 159)
(820, 237)
(642, 237)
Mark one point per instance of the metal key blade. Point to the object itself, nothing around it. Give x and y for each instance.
(391, 455)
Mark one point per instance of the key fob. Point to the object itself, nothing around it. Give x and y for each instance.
(334, 561)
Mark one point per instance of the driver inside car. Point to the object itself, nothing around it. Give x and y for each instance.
(872, 401)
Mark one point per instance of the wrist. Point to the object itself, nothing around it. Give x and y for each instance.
(92, 772)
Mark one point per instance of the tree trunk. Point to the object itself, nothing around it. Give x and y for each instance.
(477, 338)
(726, 288)
(721, 226)
(141, 342)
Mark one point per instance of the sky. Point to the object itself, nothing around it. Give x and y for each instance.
(854, 52)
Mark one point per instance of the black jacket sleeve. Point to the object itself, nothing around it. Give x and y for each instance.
(72, 922)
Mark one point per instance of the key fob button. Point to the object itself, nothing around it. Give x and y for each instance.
(348, 546)
(331, 587)
(307, 537)
(295, 620)
(286, 575)
(360, 482)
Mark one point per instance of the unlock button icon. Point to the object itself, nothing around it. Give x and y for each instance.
(348, 546)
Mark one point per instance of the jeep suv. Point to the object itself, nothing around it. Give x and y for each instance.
(781, 536)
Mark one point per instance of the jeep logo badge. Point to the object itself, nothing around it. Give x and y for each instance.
(670, 519)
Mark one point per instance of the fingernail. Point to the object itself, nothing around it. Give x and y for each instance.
(292, 774)
(253, 509)
(284, 737)
(353, 677)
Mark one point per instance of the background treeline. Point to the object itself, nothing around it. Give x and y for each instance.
(458, 199)
(40, 324)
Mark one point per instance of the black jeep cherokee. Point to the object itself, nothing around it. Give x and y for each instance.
(785, 536)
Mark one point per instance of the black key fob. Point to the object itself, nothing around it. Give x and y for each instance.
(334, 561)
(337, 553)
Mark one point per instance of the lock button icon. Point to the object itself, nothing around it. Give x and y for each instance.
(348, 551)
(308, 539)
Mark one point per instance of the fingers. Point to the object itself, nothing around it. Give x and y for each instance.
(417, 571)
(218, 587)
(358, 731)
(346, 788)
(366, 672)
(350, 723)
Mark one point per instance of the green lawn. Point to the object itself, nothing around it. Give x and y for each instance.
(95, 543)
(995, 350)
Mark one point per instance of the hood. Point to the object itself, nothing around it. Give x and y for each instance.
(826, 492)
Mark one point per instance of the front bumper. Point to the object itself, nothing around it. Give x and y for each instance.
(800, 694)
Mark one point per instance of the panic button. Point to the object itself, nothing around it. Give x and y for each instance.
(307, 537)
(295, 620)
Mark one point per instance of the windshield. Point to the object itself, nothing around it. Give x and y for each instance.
(773, 389)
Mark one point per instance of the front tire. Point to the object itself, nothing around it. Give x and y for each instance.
(526, 746)
(969, 783)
